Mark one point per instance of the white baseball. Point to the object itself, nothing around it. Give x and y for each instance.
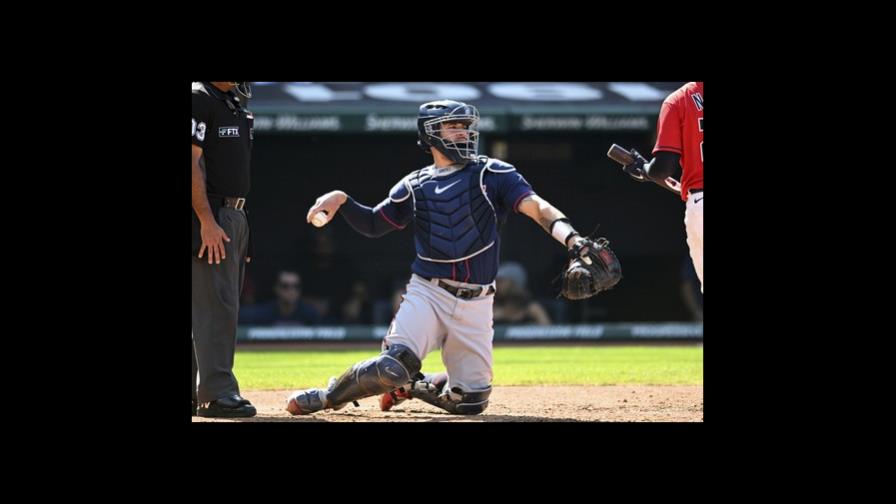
(319, 219)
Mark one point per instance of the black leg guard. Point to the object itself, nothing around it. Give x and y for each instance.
(392, 368)
(454, 401)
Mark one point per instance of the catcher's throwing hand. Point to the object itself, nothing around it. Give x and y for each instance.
(593, 268)
(328, 203)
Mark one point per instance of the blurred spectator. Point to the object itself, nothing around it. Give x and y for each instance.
(330, 276)
(690, 289)
(385, 308)
(286, 310)
(358, 308)
(513, 302)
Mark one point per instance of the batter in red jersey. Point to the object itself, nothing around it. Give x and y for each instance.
(679, 143)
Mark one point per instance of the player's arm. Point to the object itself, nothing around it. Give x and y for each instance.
(553, 221)
(667, 150)
(370, 222)
(664, 165)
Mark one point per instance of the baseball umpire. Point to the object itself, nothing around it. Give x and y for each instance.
(222, 144)
(457, 205)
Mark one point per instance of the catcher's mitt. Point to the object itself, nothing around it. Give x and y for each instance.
(593, 268)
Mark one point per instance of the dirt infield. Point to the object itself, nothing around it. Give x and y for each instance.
(622, 403)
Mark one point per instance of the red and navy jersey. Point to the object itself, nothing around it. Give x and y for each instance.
(457, 217)
(680, 130)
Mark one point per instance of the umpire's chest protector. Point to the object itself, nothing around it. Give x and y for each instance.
(454, 219)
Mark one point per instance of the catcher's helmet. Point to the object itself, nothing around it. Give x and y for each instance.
(429, 124)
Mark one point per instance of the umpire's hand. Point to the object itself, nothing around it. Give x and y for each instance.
(213, 238)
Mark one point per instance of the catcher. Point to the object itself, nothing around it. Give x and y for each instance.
(457, 206)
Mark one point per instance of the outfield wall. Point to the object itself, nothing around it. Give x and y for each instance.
(572, 332)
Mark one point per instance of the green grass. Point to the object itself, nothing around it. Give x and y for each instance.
(530, 365)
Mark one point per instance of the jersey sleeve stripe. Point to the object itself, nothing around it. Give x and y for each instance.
(396, 226)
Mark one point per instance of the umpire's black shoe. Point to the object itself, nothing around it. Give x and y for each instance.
(229, 407)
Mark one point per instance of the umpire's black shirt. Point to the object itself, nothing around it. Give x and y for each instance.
(224, 131)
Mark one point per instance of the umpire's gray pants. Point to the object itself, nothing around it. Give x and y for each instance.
(216, 303)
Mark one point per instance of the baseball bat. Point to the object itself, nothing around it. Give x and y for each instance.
(625, 158)
(620, 155)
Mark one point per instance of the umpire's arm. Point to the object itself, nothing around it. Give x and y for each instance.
(213, 236)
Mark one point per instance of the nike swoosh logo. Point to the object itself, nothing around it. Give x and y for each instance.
(697, 200)
(440, 190)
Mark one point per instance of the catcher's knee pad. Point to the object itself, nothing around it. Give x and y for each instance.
(432, 390)
(468, 403)
(392, 368)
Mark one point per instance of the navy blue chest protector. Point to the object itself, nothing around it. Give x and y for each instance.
(454, 218)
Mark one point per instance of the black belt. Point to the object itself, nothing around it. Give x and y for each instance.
(694, 191)
(465, 293)
(229, 202)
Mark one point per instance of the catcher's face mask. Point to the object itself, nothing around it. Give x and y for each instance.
(452, 128)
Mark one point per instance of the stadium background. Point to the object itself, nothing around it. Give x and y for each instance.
(313, 137)
(360, 137)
